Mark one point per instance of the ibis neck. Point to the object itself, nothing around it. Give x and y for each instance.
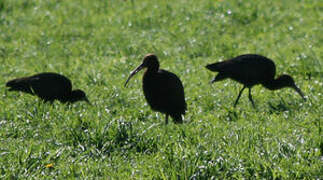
(69, 98)
(152, 69)
(275, 84)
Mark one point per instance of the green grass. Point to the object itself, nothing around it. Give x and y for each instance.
(97, 43)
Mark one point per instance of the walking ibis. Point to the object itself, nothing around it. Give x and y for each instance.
(250, 70)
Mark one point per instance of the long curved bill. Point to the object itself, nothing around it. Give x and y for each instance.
(299, 92)
(133, 73)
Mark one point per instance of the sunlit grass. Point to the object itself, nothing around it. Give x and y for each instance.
(97, 43)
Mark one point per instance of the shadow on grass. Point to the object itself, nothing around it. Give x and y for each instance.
(232, 115)
(282, 106)
(1, 6)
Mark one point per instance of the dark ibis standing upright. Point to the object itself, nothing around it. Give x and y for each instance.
(48, 86)
(252, 69)
(163, 90)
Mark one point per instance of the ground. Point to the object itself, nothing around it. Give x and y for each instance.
(97, 43)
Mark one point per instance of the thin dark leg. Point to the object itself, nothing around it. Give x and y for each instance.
(167, 118)
(250, 98)
(239, 96)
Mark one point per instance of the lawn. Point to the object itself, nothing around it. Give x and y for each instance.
(97, 44)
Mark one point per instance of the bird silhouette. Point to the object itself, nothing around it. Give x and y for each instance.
(163, 90)
(250, 70)
(49, 87)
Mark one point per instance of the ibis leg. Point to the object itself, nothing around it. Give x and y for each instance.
(250, 98)
(239, 96)
(177, 118)
(166, 118)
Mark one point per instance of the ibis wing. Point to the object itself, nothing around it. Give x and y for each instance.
(165, 93)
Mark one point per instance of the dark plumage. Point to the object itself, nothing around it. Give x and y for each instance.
(252, 69)
(163, 90)
(48, 86)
